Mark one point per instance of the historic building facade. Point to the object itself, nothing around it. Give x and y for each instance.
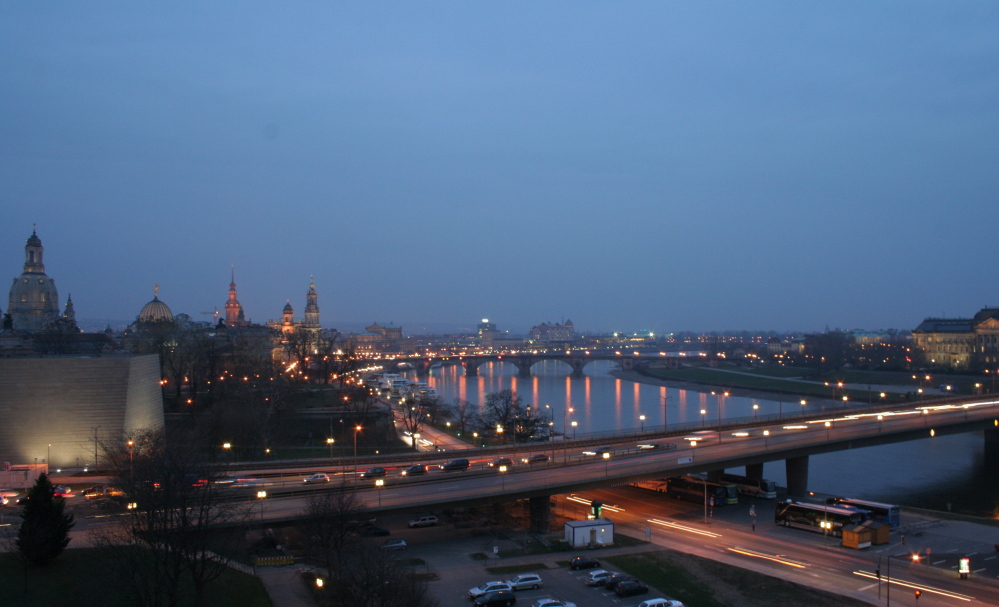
(966, 343)
(305, 330)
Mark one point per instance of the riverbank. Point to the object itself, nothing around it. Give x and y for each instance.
(641, 378)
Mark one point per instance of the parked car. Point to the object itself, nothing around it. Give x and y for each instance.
(397, 544)
(456, 465)
(597, 577)
(474, 593)
(630, 587)
(499, 598)
(549, 602)
(537, 458)
(525, 581)
(415, 470)
(377, 472)
(583, 562)
(660, 603)
(501, 461)
(372, 530)
(428, 520)
(612, 582)
(319, 477)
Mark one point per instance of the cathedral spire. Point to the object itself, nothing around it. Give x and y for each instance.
(233, 309)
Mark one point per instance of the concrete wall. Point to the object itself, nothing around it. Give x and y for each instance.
(60, 400)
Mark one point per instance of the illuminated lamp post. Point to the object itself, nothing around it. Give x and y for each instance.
(606, 462)
(131, 469)
(260, 496)
(704, 413)
(379, 483)
(641, 418)
(502, 470)
(756, 408)
(329, 441)
(574, 429)
(356, 430)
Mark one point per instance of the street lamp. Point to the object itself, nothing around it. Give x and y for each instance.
(416, 442)
(641, 418)
(329, 441)
(356, 430)
(606, 461)
(379, 483)
(502, 470)
(756, 408)
(704, 412)
(573, 429)
(131, 469)
(260, 496)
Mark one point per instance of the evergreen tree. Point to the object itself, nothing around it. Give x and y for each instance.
(44, 531)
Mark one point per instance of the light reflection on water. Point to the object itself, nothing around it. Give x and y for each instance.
(926, 473)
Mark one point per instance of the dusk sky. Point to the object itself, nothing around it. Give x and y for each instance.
(665, 166)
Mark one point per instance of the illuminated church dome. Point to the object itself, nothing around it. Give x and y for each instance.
(156, 310)
(34, 301)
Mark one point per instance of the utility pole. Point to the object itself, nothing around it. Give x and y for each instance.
(95, 447)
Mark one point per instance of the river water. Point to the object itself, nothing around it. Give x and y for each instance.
(936, 473)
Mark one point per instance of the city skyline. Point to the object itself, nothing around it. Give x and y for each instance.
(662, 167)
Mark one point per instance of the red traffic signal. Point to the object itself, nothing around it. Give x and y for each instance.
(919, 593)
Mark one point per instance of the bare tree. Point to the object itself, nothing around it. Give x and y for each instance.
(181, 521)
(330, 524)
(465, 415)
(508, 416)
(373, 578)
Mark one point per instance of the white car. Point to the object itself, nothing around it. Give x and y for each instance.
(474, 593)
(395, 545)
(424, 521)
(552, 603)
(319, 477)
(525, 581)
(660, 603)
(597, 577)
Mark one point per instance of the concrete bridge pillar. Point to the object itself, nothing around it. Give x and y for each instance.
(471, 368)
(797, 475)
(714, 476)
(541, 513)
(523, 366)
(577, 366)
(754, 471)
(992, 444)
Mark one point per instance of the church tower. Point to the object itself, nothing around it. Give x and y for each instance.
(233, 309)
(34, 301)
(311, 307)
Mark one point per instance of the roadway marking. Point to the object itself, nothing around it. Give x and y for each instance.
(979, 570)
(940, 591)
(988, 558)
(682, 527)
(940, 561)
(868, 587)
(954, 550)
(971, 554)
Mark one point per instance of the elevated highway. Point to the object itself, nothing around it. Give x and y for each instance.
(744, 442)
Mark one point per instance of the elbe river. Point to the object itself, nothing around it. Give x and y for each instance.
(935, 473)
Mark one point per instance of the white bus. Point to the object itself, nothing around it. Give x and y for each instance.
(756, 487)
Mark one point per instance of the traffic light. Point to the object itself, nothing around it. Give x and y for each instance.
(878, 572)
(596, 506)
(919, 593)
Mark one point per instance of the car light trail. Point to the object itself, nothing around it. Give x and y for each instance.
(770, 557)
(953, 595)
(583, 500)
(682, 528)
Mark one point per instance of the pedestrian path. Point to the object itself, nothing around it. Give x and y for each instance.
(285, 586)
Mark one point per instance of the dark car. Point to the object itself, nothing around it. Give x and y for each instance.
(537, 458)
(374, 473)
(583, 562)
(612, 582)
(500, 598)
(456, 465)
(501, 461)
(630, 587)
(415, 470)
(372, 530)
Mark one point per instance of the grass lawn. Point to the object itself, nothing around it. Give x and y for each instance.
(77, 578)
(699, 582)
